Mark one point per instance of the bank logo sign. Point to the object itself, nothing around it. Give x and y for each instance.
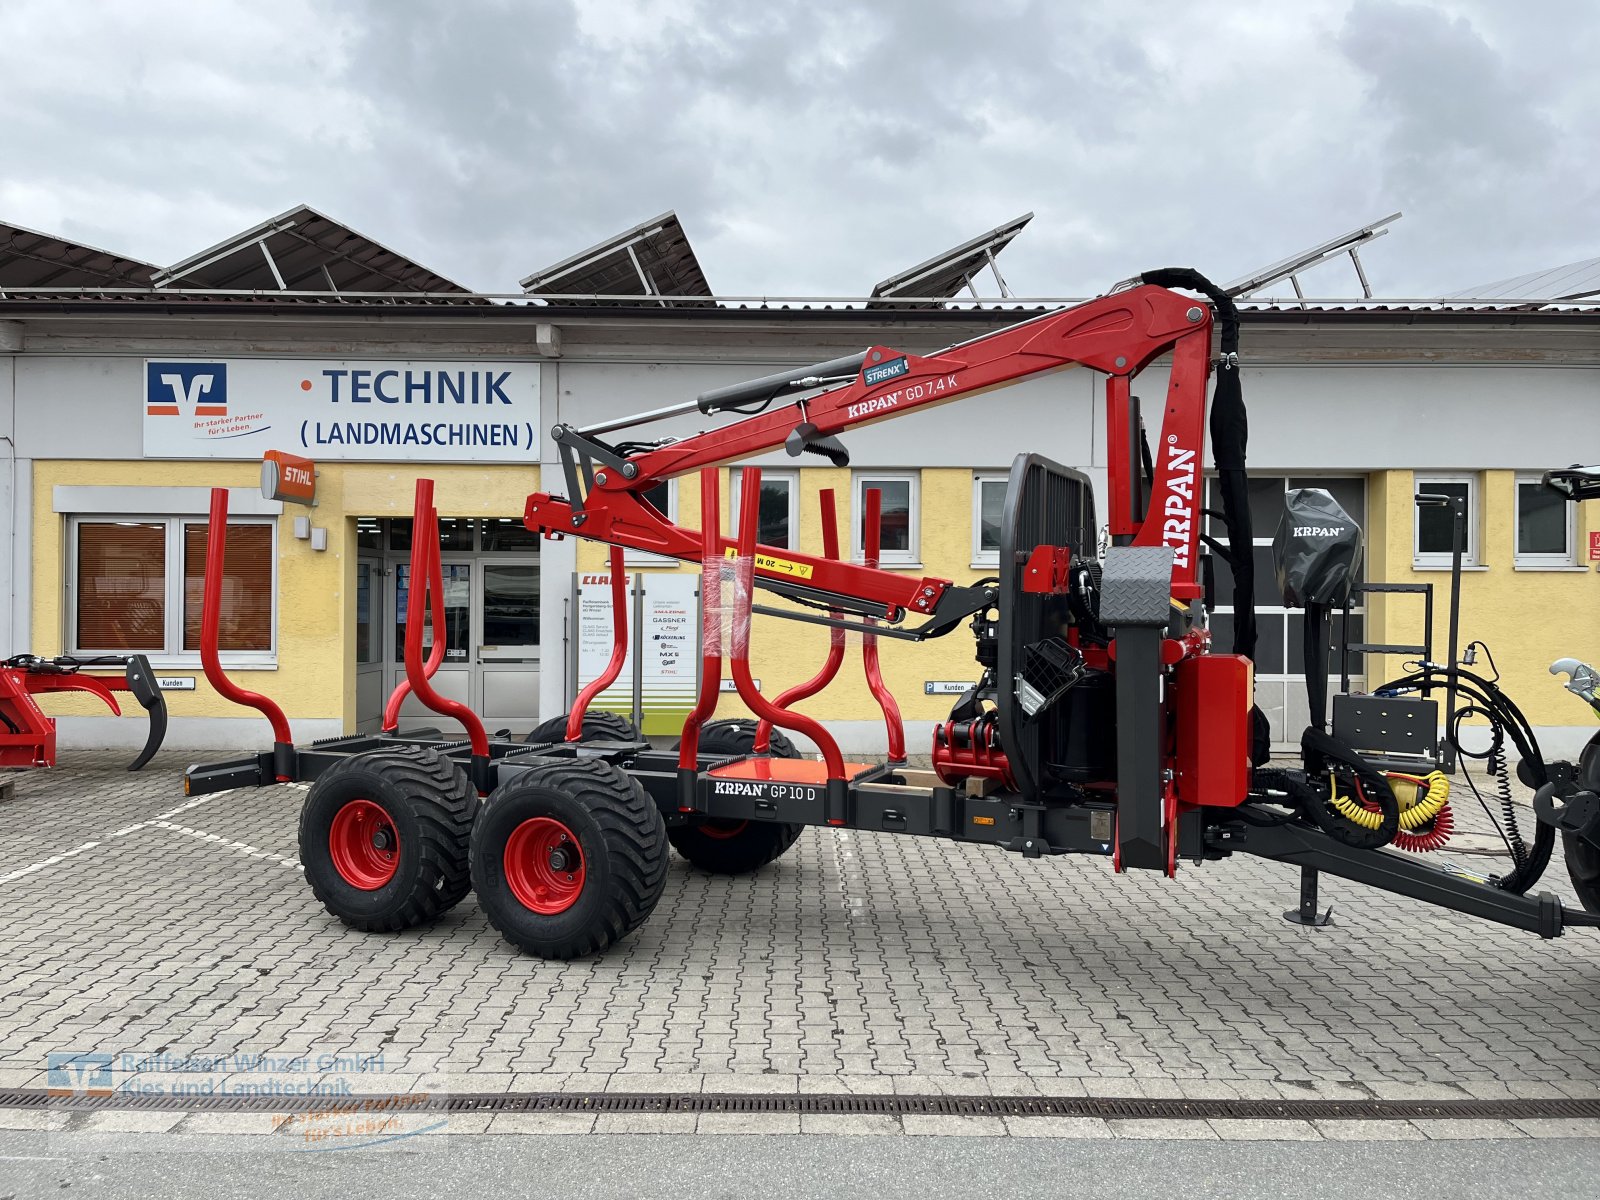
(187, 389)
(394, 411)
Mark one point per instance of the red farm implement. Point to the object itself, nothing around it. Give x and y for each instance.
(28, 733)
(1102, 720)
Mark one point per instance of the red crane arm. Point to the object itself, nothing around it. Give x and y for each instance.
(1118, 335)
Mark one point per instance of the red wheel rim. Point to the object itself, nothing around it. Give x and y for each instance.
(544, 865)
(723, 830)
(364, 845)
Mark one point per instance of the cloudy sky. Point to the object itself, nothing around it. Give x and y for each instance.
(812, 147)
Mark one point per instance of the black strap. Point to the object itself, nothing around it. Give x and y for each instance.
(1230, 433)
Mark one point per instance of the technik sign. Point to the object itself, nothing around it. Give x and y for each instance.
(374, 410)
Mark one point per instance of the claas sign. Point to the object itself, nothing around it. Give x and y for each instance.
(288, 477)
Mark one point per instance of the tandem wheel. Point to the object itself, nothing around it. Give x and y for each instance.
(568, 857)
(384, 837)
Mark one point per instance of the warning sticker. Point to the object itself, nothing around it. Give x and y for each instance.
(778, 566)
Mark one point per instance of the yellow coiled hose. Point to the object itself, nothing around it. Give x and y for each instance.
(1428, 796)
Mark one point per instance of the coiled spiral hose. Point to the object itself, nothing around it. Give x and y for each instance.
(1430, 809)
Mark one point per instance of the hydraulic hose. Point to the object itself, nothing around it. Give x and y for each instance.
(1436, 794)
(1435, 798)
(1431, 809)
(1421, 843)
(1494, 760)
(1505, 719)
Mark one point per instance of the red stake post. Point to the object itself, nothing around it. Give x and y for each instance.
(391, 710)
(830, 665)
(739, 659)
(705, 703)
(210, 617)
(871, 544)
(619, 649)
(427, 572)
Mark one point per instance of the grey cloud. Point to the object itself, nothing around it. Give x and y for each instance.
(814, 147)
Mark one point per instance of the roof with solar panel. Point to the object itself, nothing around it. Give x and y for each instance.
(30, 259)
(304, 258)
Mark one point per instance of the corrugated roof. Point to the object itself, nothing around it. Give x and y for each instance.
(30, 259)
(304, 251)
(653, 259)
(1573, 281)
(176, 300)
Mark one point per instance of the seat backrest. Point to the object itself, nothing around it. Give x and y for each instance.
(1046, 504)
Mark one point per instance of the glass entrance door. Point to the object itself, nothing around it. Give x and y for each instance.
(490, 572)
(507, 655)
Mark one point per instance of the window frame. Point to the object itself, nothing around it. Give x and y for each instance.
(911, 557)
(1532, 560)
(1434, 560)
(791, 478)
(980, 556)
(171, 655)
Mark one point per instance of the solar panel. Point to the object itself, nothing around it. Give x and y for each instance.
(1574, 281)
(652, 260)
(1291, 268)
(29, 259)
(302, 251)
(945, 275)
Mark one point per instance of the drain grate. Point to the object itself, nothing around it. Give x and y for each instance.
(843, 1105)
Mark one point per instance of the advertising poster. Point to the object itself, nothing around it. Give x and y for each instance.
(658, 686)
(594, 639)
(670, 666)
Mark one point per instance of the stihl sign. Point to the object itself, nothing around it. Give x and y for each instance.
(288, 477)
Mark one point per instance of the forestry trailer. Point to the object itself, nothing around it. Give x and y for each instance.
(1103, 720)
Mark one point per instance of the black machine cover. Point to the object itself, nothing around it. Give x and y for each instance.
(1318, 550)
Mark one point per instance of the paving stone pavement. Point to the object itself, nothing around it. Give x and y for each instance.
(134, 922)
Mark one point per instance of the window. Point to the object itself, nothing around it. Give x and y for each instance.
(455, 533)
(136, 585)
(664, 498)
(777, 521)
(1544, 526)
(506, 534)
(897, 524)
(1435, 523)
(988, 503)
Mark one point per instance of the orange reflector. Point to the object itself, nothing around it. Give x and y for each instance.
(983, 820)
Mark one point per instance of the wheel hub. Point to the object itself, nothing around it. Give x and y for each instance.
(364, 845)
(563, 859)
(544, 866)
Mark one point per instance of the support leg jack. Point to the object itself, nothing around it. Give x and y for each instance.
(1307, 914)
